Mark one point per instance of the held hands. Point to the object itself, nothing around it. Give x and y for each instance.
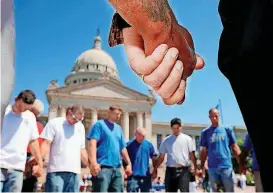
(37, 171)
(128, 170)
(95, 169)
(164, 64)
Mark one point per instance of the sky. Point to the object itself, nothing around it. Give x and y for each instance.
(51, 34)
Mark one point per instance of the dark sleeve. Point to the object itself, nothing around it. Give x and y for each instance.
(115, 34)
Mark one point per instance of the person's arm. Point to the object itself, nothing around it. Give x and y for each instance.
(45, 147)
(93, 137)
(92, 147)
(204, 147)
(234, 146)
(159, 160)
(153, 154)
(192, 150)
(203, 156)
(152, 19)
(126, 157)
(84, 157)
(246, 148)
(48, 136)
(35, 152)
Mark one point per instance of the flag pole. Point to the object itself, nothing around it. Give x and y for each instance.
(221, 111)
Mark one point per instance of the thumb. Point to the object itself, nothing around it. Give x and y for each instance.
(200, 63)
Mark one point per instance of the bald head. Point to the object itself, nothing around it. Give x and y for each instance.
(140, 134)
(214, 117)
(37, 107)
(213, 110)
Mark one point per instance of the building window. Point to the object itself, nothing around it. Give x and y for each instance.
(87, 66)
(158, 140)
(97, 66)
(84, 80)
(75, 81)
(197, 143)
(106, 68)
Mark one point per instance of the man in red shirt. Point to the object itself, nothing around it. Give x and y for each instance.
(30, 181)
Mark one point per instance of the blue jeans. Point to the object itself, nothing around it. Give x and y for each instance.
(108, 180)
(221, 176)
(62, 182)
(135, 183)
(11, 180)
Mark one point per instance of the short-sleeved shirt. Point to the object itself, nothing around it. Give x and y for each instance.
(178, 149)
(140, 154)
(110, 142)
(217, 140)
(17, 131)
(67, 141)
(247, 144)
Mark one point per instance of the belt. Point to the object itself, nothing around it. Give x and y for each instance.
(104, 166)
(178, 167)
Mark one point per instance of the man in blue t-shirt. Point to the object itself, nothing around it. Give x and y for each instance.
(216, 142)
(106, 146)
(140, 151)
(247, 146)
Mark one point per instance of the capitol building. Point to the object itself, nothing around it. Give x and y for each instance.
(95, 84)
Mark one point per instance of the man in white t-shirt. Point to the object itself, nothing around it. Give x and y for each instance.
(65, 137)
(180, 149)
(19, 130)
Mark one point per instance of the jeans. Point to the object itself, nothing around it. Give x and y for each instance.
(11, 180)
(221, 176)
(177, 179)
(109, 179)
(138, 183)
(29, 184)
(62, 182)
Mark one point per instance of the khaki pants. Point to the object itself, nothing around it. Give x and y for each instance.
(258, 182)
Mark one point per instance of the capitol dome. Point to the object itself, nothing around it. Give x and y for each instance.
(93, 64)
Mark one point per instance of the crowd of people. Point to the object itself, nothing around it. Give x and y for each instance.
(25, 144)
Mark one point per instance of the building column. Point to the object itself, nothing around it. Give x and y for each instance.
(94, 116)
(139, 119)
(125, 125)
(62, 112)
(148, 124)
(52, 112)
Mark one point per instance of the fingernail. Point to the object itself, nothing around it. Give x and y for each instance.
(178, 65)
(161, 49)
(174, 53)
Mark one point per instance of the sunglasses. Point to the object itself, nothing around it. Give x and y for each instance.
(76, 119)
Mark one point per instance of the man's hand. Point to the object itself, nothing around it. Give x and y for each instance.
(128, 170)
(95, 169)
(165, 68)
(37, 171)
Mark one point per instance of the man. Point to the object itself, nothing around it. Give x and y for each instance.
(106, 145)
(19, 130)
(140, 151)
(65, 137)
(30, 181)
(180, 149)
(152, 36)
(247, 147)
(215, 145)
